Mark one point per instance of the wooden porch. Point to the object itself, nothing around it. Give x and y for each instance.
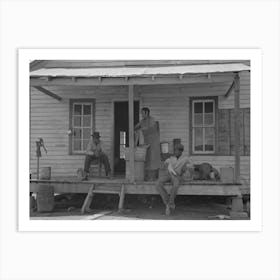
(122, 187)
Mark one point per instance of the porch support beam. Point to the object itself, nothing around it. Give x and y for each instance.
(237, 126)
(131, 131)
(229, 90)
(106, 81)
(49, 93)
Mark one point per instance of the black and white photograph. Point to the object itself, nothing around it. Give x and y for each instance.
(140, 139)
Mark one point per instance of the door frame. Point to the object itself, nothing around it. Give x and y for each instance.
(114, 100)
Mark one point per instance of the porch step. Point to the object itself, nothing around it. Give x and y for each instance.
(107, 191)
(120, 190)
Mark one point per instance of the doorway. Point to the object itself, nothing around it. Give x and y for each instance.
(121, 133)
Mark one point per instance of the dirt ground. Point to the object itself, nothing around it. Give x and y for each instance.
(143, 207)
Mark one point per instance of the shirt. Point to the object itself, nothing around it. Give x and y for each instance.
(178, 164)
(94, 147)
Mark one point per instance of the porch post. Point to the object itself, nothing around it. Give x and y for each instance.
(131, 131)
(237, 126)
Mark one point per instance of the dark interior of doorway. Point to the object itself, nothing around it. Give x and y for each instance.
(121, 133)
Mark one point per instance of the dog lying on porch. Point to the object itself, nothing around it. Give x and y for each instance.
(203, 171)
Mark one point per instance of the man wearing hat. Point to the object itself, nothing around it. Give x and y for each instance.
(176, 166)
(94, 151)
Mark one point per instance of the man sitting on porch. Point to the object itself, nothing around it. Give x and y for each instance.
(176, 166)
(94, 152)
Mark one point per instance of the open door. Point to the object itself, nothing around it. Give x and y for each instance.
(121, 133)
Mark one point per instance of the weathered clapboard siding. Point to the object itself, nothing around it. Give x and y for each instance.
(169, 105)
(50, 120)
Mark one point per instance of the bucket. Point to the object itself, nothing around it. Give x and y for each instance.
(164, 146)
(139, 153)
(45, 198)
(45, 173)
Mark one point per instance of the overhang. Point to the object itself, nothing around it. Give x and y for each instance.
(117, 72)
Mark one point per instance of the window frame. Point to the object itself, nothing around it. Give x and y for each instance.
(83, 101)
(194, 100)
(123, 145)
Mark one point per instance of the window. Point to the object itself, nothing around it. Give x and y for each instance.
(81, 124)
(203, 126)
(122, 144)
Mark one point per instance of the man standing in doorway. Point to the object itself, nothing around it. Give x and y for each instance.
(94, 152)
(150, 130)
(176, 165)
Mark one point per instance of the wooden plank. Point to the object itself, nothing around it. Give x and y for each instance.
(241, 131)
(237, 204)
(229, 90)
(131, 131)
(247, 132)
(97, 215)
(88, 200)
(147, 188)
(122, 196)
(187, 79)
(219, 190)
(237, 127)
(223, 146)
(112, 158)
(49, 93)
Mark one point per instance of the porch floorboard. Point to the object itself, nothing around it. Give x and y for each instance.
(73, 185)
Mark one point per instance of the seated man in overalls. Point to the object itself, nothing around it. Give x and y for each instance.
(175, 165)
(94, 152)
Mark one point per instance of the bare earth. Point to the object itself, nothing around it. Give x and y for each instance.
(192, 209)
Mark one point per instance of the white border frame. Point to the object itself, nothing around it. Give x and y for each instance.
(254, 224)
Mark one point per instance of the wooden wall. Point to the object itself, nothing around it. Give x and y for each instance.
(169, 104)
(50, 120)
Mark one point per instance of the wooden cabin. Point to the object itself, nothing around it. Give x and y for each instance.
(205, 104)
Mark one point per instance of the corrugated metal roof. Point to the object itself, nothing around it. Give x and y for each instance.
(140, 71)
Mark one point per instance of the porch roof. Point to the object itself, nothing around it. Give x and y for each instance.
(116, 72)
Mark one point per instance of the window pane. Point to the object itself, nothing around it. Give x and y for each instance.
(198, 139)
(208, 107)
(198, 119)
(122, 137)
(77, 121)
(209, 119)
(87, 121)
(77, 145)
(198, 107)
(85, 143)
(87, 109)
(77, 109)
(86, 132)
(209, 139)
(77, 133)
